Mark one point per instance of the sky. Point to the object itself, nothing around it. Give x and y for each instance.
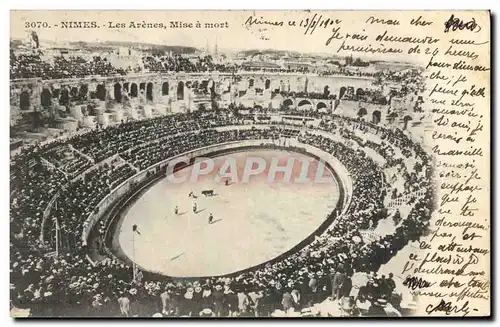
(234, 37)
(282, 30)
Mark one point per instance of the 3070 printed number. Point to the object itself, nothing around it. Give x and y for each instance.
(36, 25)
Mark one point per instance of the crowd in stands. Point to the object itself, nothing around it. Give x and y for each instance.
(414, 176)
(103, 143)
(407, 76)
(32, 190)
(334, 275)
(408, 81)
(69, 161)
(367, 180)
(31, 65)
(346, 72)
(80, 198)
(308, 71)
(310, 95)
(178, 63)
(146, 155)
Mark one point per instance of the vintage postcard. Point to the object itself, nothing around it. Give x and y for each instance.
(243, 164)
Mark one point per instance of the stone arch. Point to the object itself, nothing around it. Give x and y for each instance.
(204, 85)
(304, 103)
(326, 91)
(376, 116)
(142, 87)
(164, 88)
(73, 93)
(362, 112)
(360, 92)
(46, 98)
(24, 100)
(64, 97)
(406, 120)
(287, 103)
(84, 89)
(133, 90)
(321, 105)
(251, 83)
(126, 87)
(149, 91)
(180, 90)
(55, 93)
(342, 91)
(118, 92)
(267, 84)
(100, 92)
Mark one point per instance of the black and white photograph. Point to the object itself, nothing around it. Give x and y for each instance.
(249, 164)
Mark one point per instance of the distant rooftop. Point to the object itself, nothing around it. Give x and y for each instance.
(260, 64)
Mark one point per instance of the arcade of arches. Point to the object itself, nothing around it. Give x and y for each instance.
(29, 95)
(110, 89)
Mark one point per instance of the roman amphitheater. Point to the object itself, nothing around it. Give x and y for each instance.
(95, 221)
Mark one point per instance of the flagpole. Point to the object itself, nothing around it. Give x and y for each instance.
(133, 255)
(57, 230)
(57, 238)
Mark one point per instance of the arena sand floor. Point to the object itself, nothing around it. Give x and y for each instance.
(253, 222)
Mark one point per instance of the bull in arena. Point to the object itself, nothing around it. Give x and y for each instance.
(208, 192)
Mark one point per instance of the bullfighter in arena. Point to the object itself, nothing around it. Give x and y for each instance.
(195, 208)
(210, 218)
(176, 210)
